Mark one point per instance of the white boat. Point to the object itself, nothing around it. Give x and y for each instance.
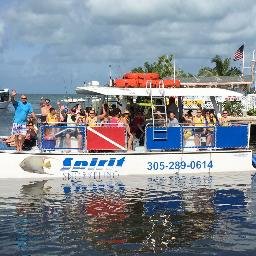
(4, 98)
(74, 100)
(166, 151)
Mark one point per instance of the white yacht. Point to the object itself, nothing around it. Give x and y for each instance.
(4, 98)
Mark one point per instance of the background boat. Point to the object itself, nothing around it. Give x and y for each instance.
(4, 98)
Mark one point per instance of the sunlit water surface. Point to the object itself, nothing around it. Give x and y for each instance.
(177, 214)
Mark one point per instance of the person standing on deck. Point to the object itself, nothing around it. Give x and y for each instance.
(92, 120)
(126, 122)
(199, 122)
(45, 109)
(19, 127)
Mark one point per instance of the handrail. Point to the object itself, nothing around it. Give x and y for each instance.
(85, 138)
(213, 137)
(98, 124)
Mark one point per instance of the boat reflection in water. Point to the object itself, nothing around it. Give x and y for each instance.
(132, 215)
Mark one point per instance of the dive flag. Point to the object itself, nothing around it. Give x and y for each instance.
(239, 53)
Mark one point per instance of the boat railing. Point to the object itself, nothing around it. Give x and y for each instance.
(183, 137)
(82, 138)
(113, 137)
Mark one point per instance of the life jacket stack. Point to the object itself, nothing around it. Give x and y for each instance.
(140, 80)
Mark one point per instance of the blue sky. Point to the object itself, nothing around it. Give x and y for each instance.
(47, 46)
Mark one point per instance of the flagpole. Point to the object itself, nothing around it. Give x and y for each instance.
(174, 69)
(252, 69)
(110, 76)
(243, 64)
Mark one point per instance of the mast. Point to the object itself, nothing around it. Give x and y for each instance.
(253, 68)
(174, 68)
(243, 63)
(110, 76)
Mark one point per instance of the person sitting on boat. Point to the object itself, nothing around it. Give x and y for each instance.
(45, 110)
(70, 132)
(10, 141)
(114, 109)
(82, 115)
(22, 110)
(105, 109)
(114, 119)
(187, 120)
(3, 144)
(105, 121)
(173, 121)
(160, 119)
(80, 133)
(199, 122)
(31, 137)
(206, 113)
(124, 119)
(52, 117)
(172, 107)
(92, 119)
(32, 120)
(211, 121)
(224, 119)
(138, 126)
(62, 113)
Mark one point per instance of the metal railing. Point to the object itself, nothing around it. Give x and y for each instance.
(200, 137)
(66, 136)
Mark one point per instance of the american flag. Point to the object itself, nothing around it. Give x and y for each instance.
(239, 53)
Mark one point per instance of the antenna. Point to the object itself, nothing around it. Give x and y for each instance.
(110, 76)
(174, 69)
(253, 69)
(65, 87)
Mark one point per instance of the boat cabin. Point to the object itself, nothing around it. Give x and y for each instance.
(158, 136)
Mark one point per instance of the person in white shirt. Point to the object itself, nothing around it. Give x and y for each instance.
(172, 120)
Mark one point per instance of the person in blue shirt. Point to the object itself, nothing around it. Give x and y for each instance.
(22, 110)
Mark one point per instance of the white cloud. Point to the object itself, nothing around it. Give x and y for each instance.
(84, 33)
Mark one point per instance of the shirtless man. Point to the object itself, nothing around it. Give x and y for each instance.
(45, 110)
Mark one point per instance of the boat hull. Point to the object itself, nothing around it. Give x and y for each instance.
(100, 165)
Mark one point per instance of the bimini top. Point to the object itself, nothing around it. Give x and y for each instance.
(186, 92)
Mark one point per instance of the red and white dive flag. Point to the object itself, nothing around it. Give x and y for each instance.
(239, 54)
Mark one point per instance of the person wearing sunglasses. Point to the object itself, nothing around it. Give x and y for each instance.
(93, 119)
(22, 110)
(224, 120)
(199, 122)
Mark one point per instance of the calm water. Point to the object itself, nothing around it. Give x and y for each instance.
(166, 215)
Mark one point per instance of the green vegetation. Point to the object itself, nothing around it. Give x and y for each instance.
(164, 67)
(234, 108)
(222, 68)
(251, 112)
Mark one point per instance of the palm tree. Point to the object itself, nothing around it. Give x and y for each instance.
(222, 68)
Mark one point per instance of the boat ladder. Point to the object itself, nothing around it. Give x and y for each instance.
(158, 110)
